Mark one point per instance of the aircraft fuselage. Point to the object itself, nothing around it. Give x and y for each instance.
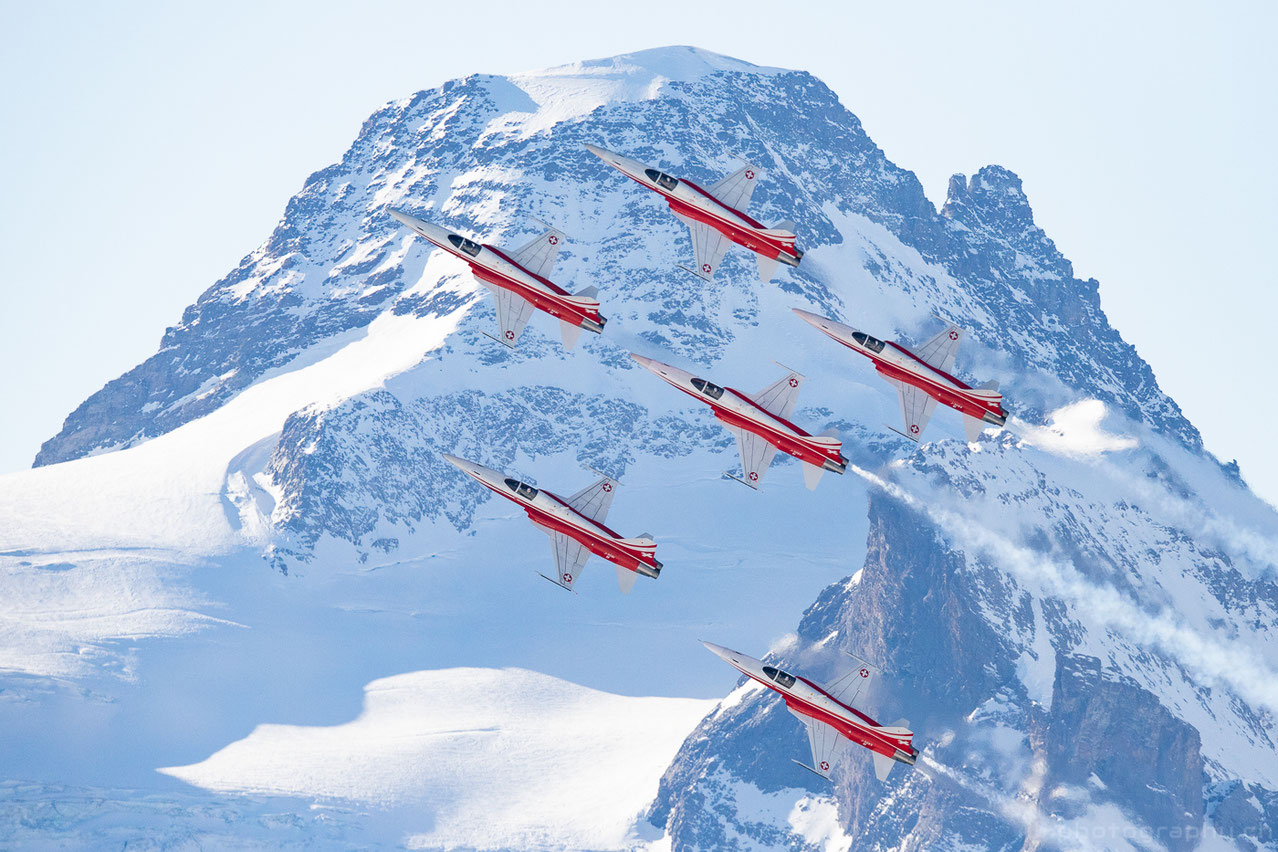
(690, 201)
(809, 699)
(551, 512)
(895, 362)
(737, 409)
(494, 267)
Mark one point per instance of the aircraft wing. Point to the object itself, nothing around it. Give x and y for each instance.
(939, 352)
(538, 256)
(735, 190)
(708, 247)
(827, 744)
(848, 687)
(513, 312)
(916, 409)
(569, 557)
(756, 456)
(593, 501)
(780, 397)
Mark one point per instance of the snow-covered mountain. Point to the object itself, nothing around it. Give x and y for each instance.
(227, 548)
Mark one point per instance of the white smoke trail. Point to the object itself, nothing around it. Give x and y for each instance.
(1238, 668)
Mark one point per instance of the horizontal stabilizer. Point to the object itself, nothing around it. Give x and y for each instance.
(626, 579)
(882, 765)
(812, 475)
(570, 332)
(767, 267)
(973, 428)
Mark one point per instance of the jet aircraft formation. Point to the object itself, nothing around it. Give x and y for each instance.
(761, 422)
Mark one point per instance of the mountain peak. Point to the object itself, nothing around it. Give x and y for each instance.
(673, 63)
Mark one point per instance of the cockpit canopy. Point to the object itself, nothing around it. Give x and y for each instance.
(523, 489)
(871, 343)
(662, 179)
(782, 679)
(464, 244)
(711, 390)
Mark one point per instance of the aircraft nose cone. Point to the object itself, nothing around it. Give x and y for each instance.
(719, 650)
(643, 362)
(460, 464)
(401, 216)
(808, 317)
(601, 153)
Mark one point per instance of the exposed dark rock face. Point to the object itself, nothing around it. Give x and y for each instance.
(1117, 733)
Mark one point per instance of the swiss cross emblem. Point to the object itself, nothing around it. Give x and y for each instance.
(553, 240)
(568, 578)
(865, 672)
(914, 428)
(825, 766)
(794, 383)
(749, 174)
(607, 486)
(953, 334)
(510, 335)
(754, 477)
(705, 267)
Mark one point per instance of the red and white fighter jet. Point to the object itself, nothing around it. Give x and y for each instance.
(760, 423)
(922, 377)
(518, 281)
(827, 712)
(716, 216)
(575, 525)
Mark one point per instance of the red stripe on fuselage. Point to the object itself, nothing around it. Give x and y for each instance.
(604, 548)
(952, 397)
(754, 240)
(780, 440)
(541, 300)
(860, 729)
(795, 446)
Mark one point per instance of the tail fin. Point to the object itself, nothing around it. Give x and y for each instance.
(992, 384)
(785, 226)
(828, 438)
(591, 292)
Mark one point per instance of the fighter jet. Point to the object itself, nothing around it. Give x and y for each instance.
(922, 378)
(715, 216)
(575, 526)
(828, 714)
(761, 423)
(518, 281)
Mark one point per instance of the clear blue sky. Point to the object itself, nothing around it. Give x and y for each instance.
(149, 146)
